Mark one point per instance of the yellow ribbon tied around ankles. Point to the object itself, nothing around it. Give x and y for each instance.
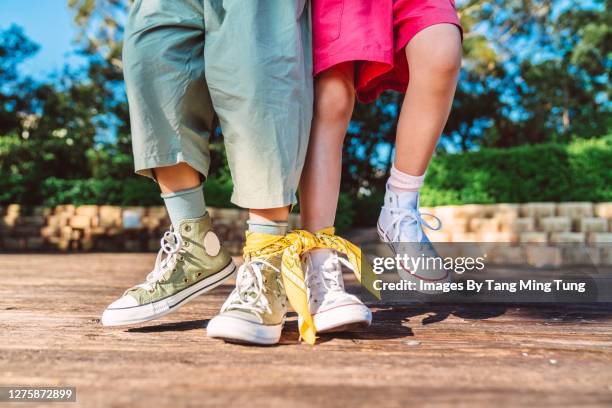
(291, 247)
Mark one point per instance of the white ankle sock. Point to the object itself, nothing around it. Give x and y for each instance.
(400, 182)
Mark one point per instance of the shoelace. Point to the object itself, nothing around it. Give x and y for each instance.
(250, 288)
(330, 277)
(171, 244)
(291, 247)
(401, 215)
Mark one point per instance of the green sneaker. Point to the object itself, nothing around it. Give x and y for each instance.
(194, 263)
(255, 311)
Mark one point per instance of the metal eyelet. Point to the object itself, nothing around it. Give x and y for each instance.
(199, 274)
(185, 243)
(151, 290)
(187, 228)
(186, 280)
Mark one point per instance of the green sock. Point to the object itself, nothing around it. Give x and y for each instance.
(268, 227)
(185, 204)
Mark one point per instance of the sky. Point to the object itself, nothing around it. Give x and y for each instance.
(49, 24)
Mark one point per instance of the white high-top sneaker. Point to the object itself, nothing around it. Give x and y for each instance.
(332, 309)
(400, 225)
(255, 311)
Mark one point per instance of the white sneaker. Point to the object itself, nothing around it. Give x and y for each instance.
(255, 311)
(400, 225)
(332, 309)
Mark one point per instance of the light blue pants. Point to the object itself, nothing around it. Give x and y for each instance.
(244, 63)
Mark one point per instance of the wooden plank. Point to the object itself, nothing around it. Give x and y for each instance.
(431, 355)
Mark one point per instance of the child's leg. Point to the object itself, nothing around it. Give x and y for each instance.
(176, 178)
(320, 182)
(330, 306)
(172, 118)
(434, 60)
(258, 65)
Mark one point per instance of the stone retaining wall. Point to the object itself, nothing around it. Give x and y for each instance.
(105, 228)
(112, 228)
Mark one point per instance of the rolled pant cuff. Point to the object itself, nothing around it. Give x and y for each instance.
(144, 164)
(265, 200)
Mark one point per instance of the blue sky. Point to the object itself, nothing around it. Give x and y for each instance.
(49, 24)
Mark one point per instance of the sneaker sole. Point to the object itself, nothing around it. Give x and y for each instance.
(236, 330)
(343, 318)
(151, 311)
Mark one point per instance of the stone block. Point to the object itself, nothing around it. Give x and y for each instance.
(555, 224)
(88, 210)
(603, 210)
(132, 217)
(592, 224)
(567, 238)
(447, 213)
(605, 255)
(66, 232)
(537, 210)
(157, 212)
(455, 225)
(49, 231)
(484, 225)
(15, 243)
(110, 216)
(42, 211)
(32, 220)
(80, 221)
(133, 245)
(10, 220)
(26, 231)
(519, 225)
(506, 254)
(600, 237)
(35, 243)
(575, 210)
(505, 208)
(13, 209)
(66, 209)
(87, 244)
(542, 256)
(580, 255)
(533, 238)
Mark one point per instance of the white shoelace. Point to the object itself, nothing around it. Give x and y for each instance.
(410, 215)
(171, 243)
(330, 277)
(248, 295)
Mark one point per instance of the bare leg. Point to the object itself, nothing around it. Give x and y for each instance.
(182, 177)
(269, 214)
(176, 178)
(434, 58)
(320, 182)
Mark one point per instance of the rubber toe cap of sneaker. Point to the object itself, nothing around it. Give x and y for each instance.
(123, 302)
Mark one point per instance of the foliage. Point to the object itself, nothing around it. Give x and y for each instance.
(578, 171)
(534, 72)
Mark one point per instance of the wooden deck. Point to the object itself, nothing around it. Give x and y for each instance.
(439, 355)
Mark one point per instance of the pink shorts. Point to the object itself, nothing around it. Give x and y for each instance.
(373, 34)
